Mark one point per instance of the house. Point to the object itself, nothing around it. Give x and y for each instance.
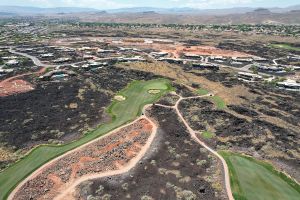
(12, 62)
(270, 69)
(5, 71)
(159, 54)
(9, 57)
(296, 68)
(294, 57)
(259, 59)
(106, 51)
(289, 85)
(172, 60)
(208, 66)
(57, 74)
(237, 59)
(94, 65)
(236, 63)
(217, 58)
(62, 60)
(162, 41)
(249, 77)
(124, 49)
(47, 55)
(87, 57)
(131, 59)
(192, 56)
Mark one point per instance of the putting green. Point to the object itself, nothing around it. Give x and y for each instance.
(252, 179)
(122, 112)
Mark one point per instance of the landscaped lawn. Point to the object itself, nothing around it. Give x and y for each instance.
(285, 46)
(207, 134)
(219, 102)
(252, 179)
(122, 111)
(202, 91)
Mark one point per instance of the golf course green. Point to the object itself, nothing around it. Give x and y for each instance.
(252, 179)
(122, 112)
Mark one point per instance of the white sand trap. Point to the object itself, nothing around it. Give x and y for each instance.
(153, 91)
(119, 98)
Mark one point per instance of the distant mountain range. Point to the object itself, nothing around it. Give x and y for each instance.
(225, 11)
(20, 10)
(288, 15)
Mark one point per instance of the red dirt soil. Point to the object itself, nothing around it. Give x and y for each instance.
(15, 85)
(176, 49)
(202, 50)
(112, 152)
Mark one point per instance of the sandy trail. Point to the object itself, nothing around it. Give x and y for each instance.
(193, 135)
(68, 193)
(70, 188)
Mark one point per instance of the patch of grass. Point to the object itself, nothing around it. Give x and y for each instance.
(207, 134)
(202, 91)
(285, 46)
(122, 112)
(254, 179)
(219, 102)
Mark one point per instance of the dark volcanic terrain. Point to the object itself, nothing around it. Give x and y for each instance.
(175, 167)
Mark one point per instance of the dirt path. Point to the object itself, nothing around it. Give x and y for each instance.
(68, 193)
(193, 135)
(70, 189)
(131, 164)
(41, 71)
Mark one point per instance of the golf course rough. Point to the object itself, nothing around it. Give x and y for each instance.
(252, 179)
(122, 112)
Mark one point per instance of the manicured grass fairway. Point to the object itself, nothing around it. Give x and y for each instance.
(285, 46)
(122, 112)
(252, 179)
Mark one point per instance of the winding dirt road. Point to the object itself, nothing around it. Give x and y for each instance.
(193, 136)
(69, 191)
(130, 165)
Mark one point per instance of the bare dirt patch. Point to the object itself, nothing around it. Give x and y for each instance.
(109, 153)
(14, 87)
(176, 51)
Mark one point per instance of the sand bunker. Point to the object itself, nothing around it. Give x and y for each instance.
(119, 98)
(153, 91)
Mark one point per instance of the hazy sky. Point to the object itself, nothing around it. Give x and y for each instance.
(106, 4)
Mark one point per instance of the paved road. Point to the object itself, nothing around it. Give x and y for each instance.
(34, 59)
(39, 63)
